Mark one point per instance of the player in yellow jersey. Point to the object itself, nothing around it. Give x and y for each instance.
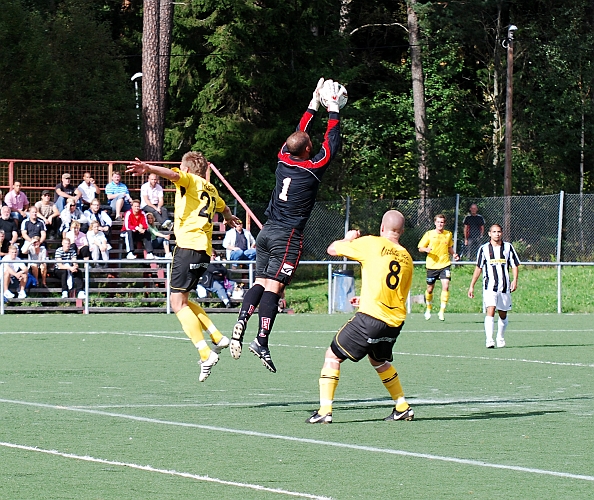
(196, 202)
(386, 271)
(438, 245)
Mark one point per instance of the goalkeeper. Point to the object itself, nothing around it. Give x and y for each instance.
(279, 243)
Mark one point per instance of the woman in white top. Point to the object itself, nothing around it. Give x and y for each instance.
(98, 243)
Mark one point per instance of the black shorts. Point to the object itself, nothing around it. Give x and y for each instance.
(364, 335)
(278, 250)
(442, 274)
(187, 268)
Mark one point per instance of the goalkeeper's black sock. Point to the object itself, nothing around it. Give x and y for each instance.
(267, 312)
(250, 301)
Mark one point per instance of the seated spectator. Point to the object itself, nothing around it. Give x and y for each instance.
(15, 273)
(78, 240)
(135, 229)
(215, 280)
(98, 243)
(4, 243)
(159, 240)
(30, 227)
(240, 244)
(67, 271)
(118, 195)
(18, 203)
(72, 213)
(8, 226)
(94, 213)
(151, 201)
(65, 191)
(88, 191)
(48, 213)
(38, 252)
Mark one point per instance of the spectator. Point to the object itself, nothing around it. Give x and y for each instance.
(136, 229)
(67, 271)
(32, 226)
(2, 204)
(98, 244)
(4, 243)
(214, 280)
(64, 192)
(118, 195)
(8, 226)
(158, 239)
(38, 252)
(88, 191)
(48, 212)
(78, 240)
(240, 244)
(70, 214)
(151, 201)
(474, 229)
(94, 213)
(14, 274)
(18, 203)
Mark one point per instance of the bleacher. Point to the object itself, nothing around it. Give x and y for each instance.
(123, 286)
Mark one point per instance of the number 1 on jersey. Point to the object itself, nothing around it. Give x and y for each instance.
(283, 194)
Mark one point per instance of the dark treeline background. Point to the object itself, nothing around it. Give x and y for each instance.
(242, 72)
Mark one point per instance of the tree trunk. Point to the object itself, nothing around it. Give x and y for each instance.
(150, 81)
(418, 85)
(165, 32)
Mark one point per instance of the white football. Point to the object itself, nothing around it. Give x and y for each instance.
(331, 88)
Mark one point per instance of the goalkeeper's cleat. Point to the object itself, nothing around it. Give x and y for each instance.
(441, 316)
(207, 364)
(407, 414)
(237, 339)
(428, 314)
(223, 344)
(500, 342)
(490, 344)
(264, 354)
(316, 418)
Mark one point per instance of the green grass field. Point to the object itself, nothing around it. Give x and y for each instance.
(109, 407)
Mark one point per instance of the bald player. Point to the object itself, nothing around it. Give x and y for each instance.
(386, 271)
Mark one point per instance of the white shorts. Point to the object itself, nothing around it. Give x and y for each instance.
(502, 301)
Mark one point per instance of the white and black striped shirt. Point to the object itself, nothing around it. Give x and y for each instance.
(495, 263)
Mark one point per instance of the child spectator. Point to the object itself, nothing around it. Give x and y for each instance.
(38, 252)
(98, 243)
(48, 213)
(67, 271)
(72, 213)
(135, 229)
(78, 240)
(158, 239)
(32, 226)
(14, 274)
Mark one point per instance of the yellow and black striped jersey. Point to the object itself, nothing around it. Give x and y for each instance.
(440, 244)
(196, 202)
(386, 270)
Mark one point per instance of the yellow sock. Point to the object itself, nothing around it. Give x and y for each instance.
(193, 329)
(429, 300)
(391, 382)
(328, 382)
(445, 296)
(207, 324)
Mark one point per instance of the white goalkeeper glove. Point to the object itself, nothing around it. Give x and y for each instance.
(332, 91)
(315, 98)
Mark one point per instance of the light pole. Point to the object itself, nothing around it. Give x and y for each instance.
(135, 78)
(507, 170)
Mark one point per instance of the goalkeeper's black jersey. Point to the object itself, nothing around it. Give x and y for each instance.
(297, 180)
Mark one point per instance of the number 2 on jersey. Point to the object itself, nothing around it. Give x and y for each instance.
(283, 194)
(208, 209)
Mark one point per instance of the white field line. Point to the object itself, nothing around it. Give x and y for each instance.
(185, 339)
(371, 449)
(149, 468)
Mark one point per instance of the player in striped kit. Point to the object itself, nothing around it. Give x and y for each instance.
(494, 260)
